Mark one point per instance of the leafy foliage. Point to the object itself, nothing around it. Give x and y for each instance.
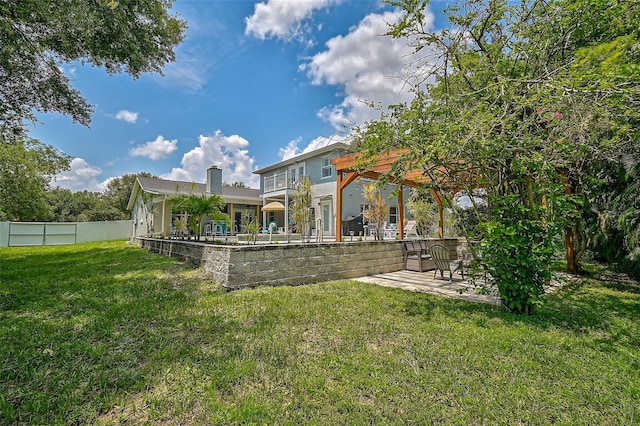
(618, 237)
(86, 206)
(26, 168)
(38, 37)
(516, 252)
(82, 206)
(118, 190)
(301, 213)
(197, 207)
(236, 184)
(425, 213)
(525, 100)
(377, 211)
(249, 225)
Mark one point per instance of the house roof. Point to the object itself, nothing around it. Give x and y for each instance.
(175, 187)
(336, 146)
(170, 187)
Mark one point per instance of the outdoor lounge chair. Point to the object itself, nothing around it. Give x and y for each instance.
(417, 257)
(444, 262)
(410, 228)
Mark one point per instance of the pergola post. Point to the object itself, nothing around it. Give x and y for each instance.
(400, 212)
(341, 184)
(338, 206)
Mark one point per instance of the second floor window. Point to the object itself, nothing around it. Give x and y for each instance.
(327, 169)
(393, 215)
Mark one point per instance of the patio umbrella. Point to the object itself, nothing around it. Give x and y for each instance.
(274, 206)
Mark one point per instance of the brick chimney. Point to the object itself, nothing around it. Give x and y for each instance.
(214, 180)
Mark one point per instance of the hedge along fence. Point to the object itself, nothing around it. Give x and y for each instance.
(56, 233)
(242, 266)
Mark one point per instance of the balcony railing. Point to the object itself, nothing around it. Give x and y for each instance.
(281, 181)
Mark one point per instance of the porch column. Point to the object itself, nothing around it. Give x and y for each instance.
(286, 212)
(231, 218)
(258, 215)
(164, 214)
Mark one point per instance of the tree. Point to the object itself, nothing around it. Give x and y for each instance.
(250, 225)
(26, 168)
(197, 207)
(70, 206)
(81, 206)
(618, 236)
(60, 200)
(118, 191)
(301, 207)
(525, 100)
(38, 37)
(377, 210)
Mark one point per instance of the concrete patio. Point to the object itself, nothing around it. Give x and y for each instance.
(458, 288)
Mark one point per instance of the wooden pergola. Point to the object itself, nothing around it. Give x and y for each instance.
(348, 170)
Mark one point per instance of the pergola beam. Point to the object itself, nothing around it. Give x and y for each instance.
(348, 165)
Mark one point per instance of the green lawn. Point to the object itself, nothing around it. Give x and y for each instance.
(106, 333)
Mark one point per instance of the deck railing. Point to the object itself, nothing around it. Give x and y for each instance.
(281, 181)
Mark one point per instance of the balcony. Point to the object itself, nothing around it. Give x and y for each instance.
(281, 181)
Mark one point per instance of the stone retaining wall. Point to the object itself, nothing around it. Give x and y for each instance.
(284, 264)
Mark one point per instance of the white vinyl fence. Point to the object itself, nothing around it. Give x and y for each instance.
(14, 234)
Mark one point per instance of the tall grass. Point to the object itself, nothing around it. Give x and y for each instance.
(106, 333)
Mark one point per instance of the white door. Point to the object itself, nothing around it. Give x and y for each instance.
(295, 173)
(327, 214)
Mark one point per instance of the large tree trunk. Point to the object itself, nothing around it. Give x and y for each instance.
(575, 242)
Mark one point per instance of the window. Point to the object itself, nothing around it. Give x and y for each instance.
(327, 168)
(393, 215)
(296, 173)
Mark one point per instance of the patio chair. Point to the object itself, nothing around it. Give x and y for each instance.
(389, 230)
(416, 256)
(443, 262)
(410, 228)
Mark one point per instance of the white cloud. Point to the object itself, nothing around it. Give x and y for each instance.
(369, 66)
(189, 70)
(82, 176)
(128, 116)
(321, 142)
(292, 149)
(282, 18)
(187, 73)
(155, 150)
(230, 153)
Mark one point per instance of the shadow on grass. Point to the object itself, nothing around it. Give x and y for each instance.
(112, 334)
(81, 327)
(607, 304)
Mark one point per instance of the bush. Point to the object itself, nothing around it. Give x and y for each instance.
(517, 252)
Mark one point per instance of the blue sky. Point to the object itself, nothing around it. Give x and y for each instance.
(253, 83)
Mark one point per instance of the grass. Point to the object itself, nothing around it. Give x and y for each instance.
(106, 333)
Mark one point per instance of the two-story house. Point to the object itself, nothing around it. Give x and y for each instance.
(278, 183)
